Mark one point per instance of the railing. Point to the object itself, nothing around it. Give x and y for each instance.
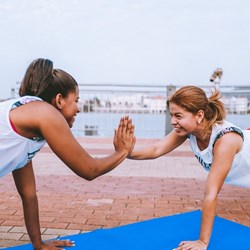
(102, 105)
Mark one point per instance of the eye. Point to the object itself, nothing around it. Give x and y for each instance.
(178, 116)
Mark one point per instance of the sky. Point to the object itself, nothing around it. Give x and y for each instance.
(157, 42)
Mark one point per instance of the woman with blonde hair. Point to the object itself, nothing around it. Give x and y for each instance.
(221, 148)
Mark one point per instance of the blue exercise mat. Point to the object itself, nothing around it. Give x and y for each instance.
(161, 234)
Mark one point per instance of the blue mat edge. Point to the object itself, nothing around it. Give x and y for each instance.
(194, 212)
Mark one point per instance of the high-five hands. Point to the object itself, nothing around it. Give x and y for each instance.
(124, 139)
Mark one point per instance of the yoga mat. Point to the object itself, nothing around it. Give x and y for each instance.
(163, 233)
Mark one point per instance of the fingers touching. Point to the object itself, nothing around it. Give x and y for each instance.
(124, 138)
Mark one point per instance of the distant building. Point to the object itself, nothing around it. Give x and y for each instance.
(236, 105)
(156, 104)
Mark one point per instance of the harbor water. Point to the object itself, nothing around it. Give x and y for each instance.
(146, 125)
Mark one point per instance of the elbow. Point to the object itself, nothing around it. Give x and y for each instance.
(91, 169)
(25, 196)
(210, 197)
(87, 177)
(90, 175)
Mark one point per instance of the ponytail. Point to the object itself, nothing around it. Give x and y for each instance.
(43, 81)
(215, 112)
(37, 78)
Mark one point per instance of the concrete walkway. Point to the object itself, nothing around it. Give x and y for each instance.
(134, 191)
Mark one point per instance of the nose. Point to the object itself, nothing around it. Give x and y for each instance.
(173, 121)
(78, 108)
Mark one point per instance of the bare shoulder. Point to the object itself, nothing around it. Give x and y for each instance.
(32, 118)
(45, 115)
(37, 110)
(229, 141)
(39, 106)
(230, 137)
(42, 119)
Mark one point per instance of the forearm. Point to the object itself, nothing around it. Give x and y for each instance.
(159, 148)
(143, 153)
(102, 165)
(31, 217)
(208, 214)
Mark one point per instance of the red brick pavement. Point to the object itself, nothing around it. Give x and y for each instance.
(70, 205)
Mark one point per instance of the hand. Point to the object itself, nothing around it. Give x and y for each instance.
(55, 245)
(124, 139)
(192, 245)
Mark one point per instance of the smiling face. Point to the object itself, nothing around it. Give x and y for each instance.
(69, 107)
(184, 122)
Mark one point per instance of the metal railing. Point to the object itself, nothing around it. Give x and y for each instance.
(102, 106)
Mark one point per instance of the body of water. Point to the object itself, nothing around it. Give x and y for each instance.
(146, 125)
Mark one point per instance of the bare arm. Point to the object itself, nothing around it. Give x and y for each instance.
(26, 186)
(51, 124)
(161, 147)
(58, 135)
(225, 150)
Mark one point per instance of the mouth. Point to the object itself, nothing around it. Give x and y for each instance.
(178, 129)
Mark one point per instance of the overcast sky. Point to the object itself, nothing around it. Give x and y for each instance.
(127, 41)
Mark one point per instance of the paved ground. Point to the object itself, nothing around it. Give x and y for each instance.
(134, 191)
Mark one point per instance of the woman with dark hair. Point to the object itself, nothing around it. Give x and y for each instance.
(44, 113)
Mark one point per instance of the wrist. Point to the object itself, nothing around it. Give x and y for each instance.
(37, 245)
(205, 242)
(124, 152)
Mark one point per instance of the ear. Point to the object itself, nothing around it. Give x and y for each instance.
(200, 116)
(58, 101)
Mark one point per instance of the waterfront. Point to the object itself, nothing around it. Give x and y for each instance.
(146, 125)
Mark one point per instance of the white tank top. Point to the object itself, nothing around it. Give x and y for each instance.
(15, 150)
(239, 173)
